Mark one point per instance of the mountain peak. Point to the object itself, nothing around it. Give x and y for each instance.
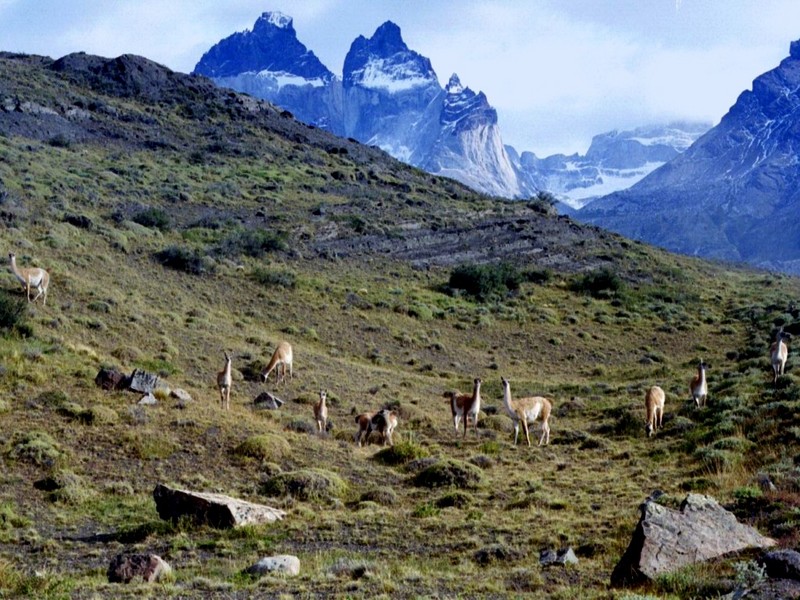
(794, 49)
(389, 38)
(454, 85)
(271, 46)
(274, 19)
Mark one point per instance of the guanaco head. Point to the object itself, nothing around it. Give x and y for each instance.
(227, 356)
(323, 395)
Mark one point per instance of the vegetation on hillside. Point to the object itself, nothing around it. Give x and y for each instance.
(182, 228)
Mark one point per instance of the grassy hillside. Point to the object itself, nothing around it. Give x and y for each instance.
(178, 222)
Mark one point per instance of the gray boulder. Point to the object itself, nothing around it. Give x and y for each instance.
(268, 401)
(565, 556)
(147, 400)
(284, 563)
(142, 381)
(126, 567)
(216, 510)
(666, 540)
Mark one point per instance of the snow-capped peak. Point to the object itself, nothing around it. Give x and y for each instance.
(454, 85)
(278, 19)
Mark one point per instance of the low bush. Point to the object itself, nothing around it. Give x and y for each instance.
(155, 218)
(262, 447)
(599, 283)
(269, 278)
(14, 314)
(400, 454)
(186, 259)
(307, 485)
(449, 472)
(484, 282)
(252, 242)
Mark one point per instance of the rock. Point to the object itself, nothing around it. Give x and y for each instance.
(125, 567)
(147, 400)
(284, 563)
(565, 556)
(267, 400)
(111, 379)
(783, 564)
(665, 539)
(765, 483)
(182, 395)
(216, 510)
(769, 589)
(142, 381)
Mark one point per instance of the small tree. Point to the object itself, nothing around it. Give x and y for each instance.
(484, 281)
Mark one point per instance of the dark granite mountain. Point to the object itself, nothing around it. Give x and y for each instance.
(270, 62)
(389, 96)
(735, 193)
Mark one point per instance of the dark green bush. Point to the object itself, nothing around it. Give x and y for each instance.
(252, 242)
(598, 283)
(13, 314)
(483, 282)
(266, 277)
(185, 259)
(155, 218)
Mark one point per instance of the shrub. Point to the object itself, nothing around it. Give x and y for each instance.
(483, 282)
(266, 277)
(456, 499)
(599, 283)
(306, 484)
(13, 314)
(36, 447)
(185, 259)
(449, 472)
(264, 446)
(400, 453)
(254, 242)
(384, 496)
(155, 218)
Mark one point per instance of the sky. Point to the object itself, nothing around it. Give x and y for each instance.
(557, 71)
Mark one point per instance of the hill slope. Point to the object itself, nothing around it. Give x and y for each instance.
(179, 221)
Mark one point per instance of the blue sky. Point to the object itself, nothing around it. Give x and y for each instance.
(557, 71)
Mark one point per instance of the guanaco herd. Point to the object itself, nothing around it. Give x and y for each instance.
(464, 408)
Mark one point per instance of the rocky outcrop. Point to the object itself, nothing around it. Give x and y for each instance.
(124, 568)
(665, 539)
(216, 510)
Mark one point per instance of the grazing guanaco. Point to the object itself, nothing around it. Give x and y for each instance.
(33, 277)
(778, 353)
(464, 406)
(526, 410)
(654, 403)
(698, 387)
(281, 357)
(224, 382)
(321, 411)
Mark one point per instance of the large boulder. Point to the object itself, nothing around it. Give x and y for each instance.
(126, 567)
(216, 510)
(666, 539)
(266, 400)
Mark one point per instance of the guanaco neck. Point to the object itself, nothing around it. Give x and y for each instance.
(16, 270)
(510, 409)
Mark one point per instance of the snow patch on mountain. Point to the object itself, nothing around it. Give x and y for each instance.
(384, 74)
